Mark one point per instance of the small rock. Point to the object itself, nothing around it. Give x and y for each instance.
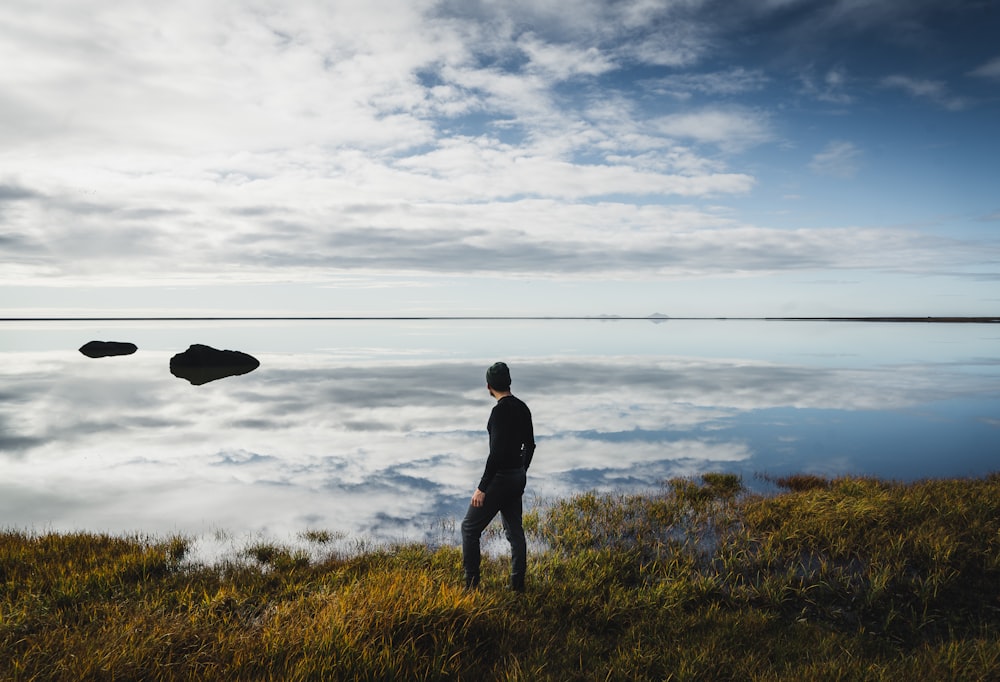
(200, 364)
(104, 349)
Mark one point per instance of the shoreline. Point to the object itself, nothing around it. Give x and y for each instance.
(835, 578)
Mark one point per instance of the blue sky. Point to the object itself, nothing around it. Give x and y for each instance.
(401, 157)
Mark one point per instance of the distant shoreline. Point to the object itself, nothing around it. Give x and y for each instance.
(938, 320)
(408, 318)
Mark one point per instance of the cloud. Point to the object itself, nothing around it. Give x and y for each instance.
(14, 193)
(674, 44)
(564, 61)
(160, 132)
(487, 169)
(734, 81)
(839, 159)
(25, 247)
(660, 33)
(990, 69)
(809, 27)
(934, 91)
(547, 238)
(275, 449)
(179, 143)
(731, 129)
(831, 87)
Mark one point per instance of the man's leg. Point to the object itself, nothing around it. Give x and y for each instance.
(475, 522)
(510, 515)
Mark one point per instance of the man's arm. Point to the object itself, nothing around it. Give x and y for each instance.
(529, 441)
(490, 470)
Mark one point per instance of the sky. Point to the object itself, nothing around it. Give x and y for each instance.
(500, 157)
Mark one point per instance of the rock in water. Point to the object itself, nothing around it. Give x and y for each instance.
(200, 364)
(104, 349)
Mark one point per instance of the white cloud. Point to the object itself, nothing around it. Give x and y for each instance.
(831, 87)
(839, 159)
(735, 81)
(258, 234)
(564, 61)
(730, 129)
(486, 169)
(344, 439)
(681, 46)
(271, 141)
(990, 69)
(650, 31)
(185, 78)
(935, 91)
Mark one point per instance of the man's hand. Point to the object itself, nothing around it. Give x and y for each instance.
(478, 498)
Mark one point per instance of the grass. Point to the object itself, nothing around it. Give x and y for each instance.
(843, 579)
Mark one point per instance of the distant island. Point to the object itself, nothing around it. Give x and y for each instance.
(655, 317)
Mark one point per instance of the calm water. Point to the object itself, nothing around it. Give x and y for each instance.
(377, 429)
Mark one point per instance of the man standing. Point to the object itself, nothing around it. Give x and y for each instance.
(512, 444)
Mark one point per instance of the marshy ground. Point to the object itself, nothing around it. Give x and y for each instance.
(844, 579)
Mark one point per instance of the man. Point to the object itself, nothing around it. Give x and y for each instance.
(512, 444)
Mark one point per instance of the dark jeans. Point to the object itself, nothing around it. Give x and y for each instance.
(504, 496)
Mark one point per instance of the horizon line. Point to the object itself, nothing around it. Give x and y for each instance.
(598, 318)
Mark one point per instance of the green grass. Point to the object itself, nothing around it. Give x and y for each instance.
(843, 579)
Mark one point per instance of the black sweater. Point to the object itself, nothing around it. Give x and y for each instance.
(512, 438)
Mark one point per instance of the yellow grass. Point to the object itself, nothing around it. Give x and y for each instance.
(847, 579)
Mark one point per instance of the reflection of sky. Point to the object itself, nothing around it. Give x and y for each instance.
(379, 428)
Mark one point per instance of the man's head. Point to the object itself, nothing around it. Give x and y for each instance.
(498, 377)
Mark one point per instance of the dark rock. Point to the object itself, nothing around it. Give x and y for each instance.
(200, 364)
(104, 349)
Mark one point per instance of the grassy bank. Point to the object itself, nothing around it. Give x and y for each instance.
(847, 579)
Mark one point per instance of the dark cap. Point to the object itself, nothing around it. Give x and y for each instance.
(498, 376)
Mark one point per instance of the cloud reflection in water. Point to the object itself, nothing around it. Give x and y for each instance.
(388, 449)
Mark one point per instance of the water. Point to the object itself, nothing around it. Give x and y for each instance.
(376, 429)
